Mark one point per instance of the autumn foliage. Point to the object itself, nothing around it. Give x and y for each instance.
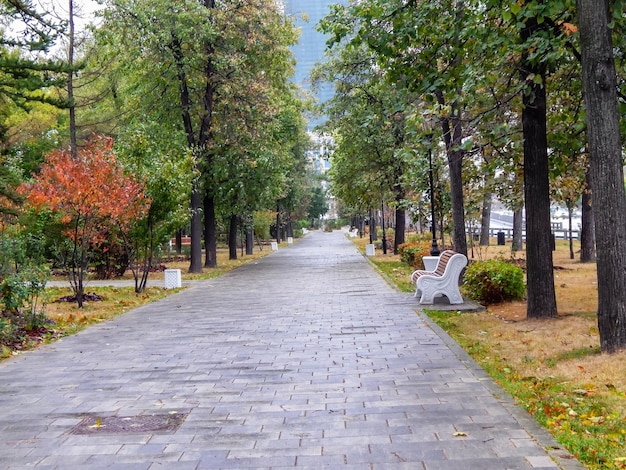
(91, 193)
(93, 198)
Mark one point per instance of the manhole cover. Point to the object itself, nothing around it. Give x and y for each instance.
(157, 423)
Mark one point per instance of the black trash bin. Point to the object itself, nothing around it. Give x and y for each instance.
(500, 238)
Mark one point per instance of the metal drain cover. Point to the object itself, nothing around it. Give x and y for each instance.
(156, 423)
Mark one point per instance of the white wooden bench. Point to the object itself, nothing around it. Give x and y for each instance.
(444, 280)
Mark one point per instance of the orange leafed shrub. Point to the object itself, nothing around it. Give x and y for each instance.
(91, 190)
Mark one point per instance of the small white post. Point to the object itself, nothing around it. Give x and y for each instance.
(172, 278)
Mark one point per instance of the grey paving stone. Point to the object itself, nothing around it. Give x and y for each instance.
(304, 359)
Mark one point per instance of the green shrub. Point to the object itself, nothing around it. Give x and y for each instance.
(262, 221)
(494, 281)
(419, 237)
(21, 299)
(8, 332)
(412, 253)
(331, 224)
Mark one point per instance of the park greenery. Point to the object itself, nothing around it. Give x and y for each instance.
(155, 123)
(518, 101)
(163, 120)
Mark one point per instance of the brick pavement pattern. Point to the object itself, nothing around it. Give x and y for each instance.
(306, 359)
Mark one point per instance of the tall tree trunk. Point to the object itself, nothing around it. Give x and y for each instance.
(200, 147)
(289, 227)
(399, 236)
(179, 241)
(278, 223)
(587, 230)
(249, 241)
(148, 255)
(606, 171)
(453, 136)
(373, 227)
(195, 265)
(570, 212)
(518, 228)
(210, 232)
(540, 293)
(485, 220)
(400, 221)
(232, 236)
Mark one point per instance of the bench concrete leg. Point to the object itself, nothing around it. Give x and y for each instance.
(455, 297)
(428, 295)
(427, 299)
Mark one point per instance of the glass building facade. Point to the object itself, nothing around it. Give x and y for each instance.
(310, 48)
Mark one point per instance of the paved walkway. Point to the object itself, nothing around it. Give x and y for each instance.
(306, 358)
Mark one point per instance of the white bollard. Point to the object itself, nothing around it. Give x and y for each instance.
(290, 240)
(274, 246)
(370, 250)
(172, 278)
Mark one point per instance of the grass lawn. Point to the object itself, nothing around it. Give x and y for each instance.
(553, 368)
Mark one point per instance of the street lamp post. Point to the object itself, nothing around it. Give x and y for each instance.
(434, 250)
(384, 236)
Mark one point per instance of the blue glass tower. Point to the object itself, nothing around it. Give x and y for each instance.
(310, 48)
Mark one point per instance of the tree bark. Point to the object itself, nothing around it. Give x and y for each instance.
(179, 241)
(606, 171)
(210, 232)
(289, 227)
(373, 228)
(540, 293)
(278, 223)
(195, 265)
(587, 230)
(232, 236)
(485, 220)
(249, 241)
(518, 227)
(400, 222)
(570, 213)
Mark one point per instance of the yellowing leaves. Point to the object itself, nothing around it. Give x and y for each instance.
(90, 191)
(568, 28)
(620, 462)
